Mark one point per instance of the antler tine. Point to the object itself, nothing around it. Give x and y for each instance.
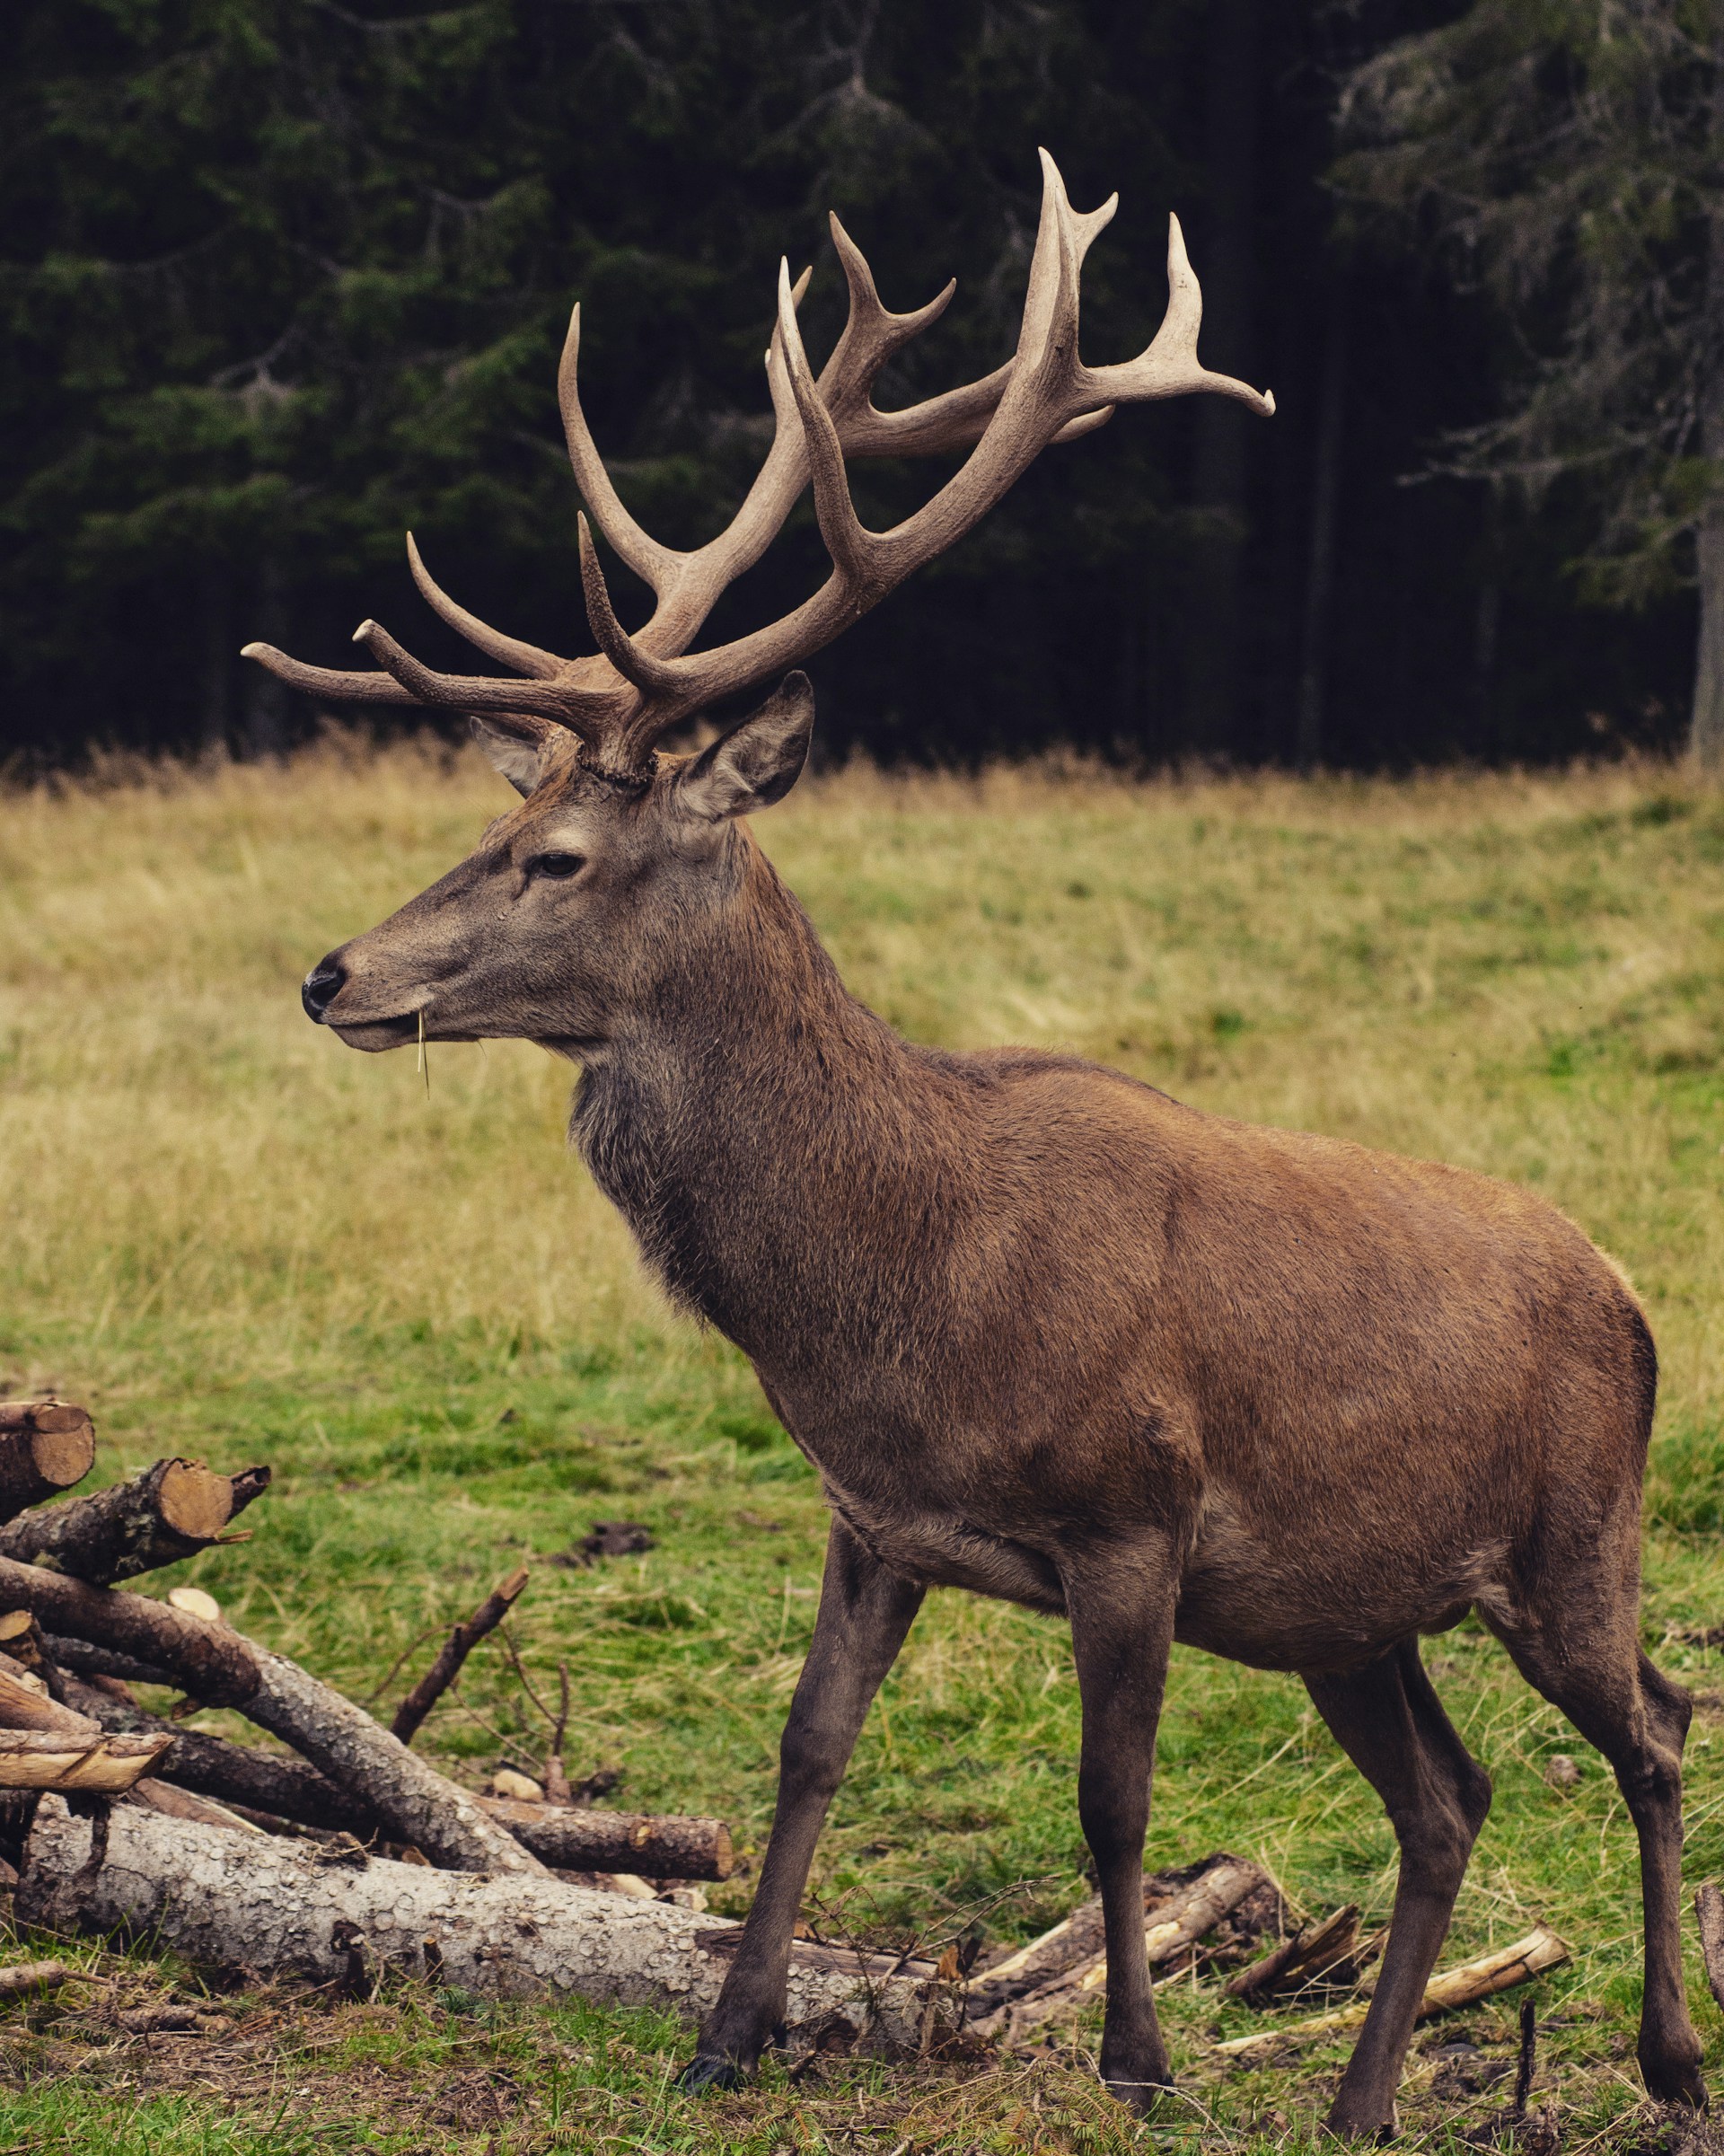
(333, 682)
(649, 674)
(1047, 393)
(654, 564)
(583, 711)
(1170, 366)
(871, 333)
(525, 658)
(846, 540)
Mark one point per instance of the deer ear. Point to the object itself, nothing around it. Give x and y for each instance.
(521, 762)
(757, 763)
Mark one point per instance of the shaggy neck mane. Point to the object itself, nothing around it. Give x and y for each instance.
(776, 1148)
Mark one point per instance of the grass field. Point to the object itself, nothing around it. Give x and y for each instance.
(237, 1240)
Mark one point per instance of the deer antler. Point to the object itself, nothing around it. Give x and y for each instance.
(624, 700)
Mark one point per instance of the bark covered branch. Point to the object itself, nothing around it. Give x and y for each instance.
(169, 1512)
(208, 1660)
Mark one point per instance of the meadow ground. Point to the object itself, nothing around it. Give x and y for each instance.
(237, 1240)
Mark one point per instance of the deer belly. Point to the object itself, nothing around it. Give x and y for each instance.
(938, 1551)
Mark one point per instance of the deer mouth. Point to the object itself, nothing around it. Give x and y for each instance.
(373, 1035)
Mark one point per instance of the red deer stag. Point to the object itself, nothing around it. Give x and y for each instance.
(1046, 1333)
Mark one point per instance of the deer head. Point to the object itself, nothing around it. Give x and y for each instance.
(552, 925)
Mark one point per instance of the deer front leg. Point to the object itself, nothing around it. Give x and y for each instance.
(1122, 1606)
(864, 1613)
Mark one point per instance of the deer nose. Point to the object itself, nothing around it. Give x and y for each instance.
(321, 986)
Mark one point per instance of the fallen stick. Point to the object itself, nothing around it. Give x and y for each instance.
(1463, 1985)
(1708, 1912)
(461, 1642)
(277, 1912)
(1306, 1955)
(232, 1773)
(169, 1512)
(44, 1447)
(412, 1802)
(565, 1838)
(1176, 1925)
(35, 1977)
(158, 1796)
(212, 1663)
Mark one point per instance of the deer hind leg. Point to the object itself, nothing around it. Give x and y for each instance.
(1592, 1668)
(1391, 1724)
(864, 1614)
(1121, 1610)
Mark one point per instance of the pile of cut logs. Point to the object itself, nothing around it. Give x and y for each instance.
(346, 1855)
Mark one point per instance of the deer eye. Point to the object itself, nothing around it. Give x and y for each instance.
(558, 865)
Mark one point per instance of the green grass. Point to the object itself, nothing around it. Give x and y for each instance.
(238, 1241)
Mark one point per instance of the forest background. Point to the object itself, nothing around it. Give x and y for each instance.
(280, 279)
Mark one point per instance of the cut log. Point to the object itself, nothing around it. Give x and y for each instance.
(281, 1911)
(571, 1838)
(1463, 1985)
(454, 1650)
(208, 1660)
(169, 1512)
(46, 1446)
(62, 1759)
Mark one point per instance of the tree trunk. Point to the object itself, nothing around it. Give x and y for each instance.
(280, 1910)
(1320, 572)
(1706, 725)
(1229, 272)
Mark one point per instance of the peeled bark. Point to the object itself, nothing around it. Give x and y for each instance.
(283, 1912)
(572, 1838)
(415, 1803)
(21, 1707)
(44, 1447)
(167, 1513)
(208, 1660)
(63, 1759)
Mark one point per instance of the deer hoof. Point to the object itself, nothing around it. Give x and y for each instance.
(1677, 2083)
(711, 2070)
(1134, 2095)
